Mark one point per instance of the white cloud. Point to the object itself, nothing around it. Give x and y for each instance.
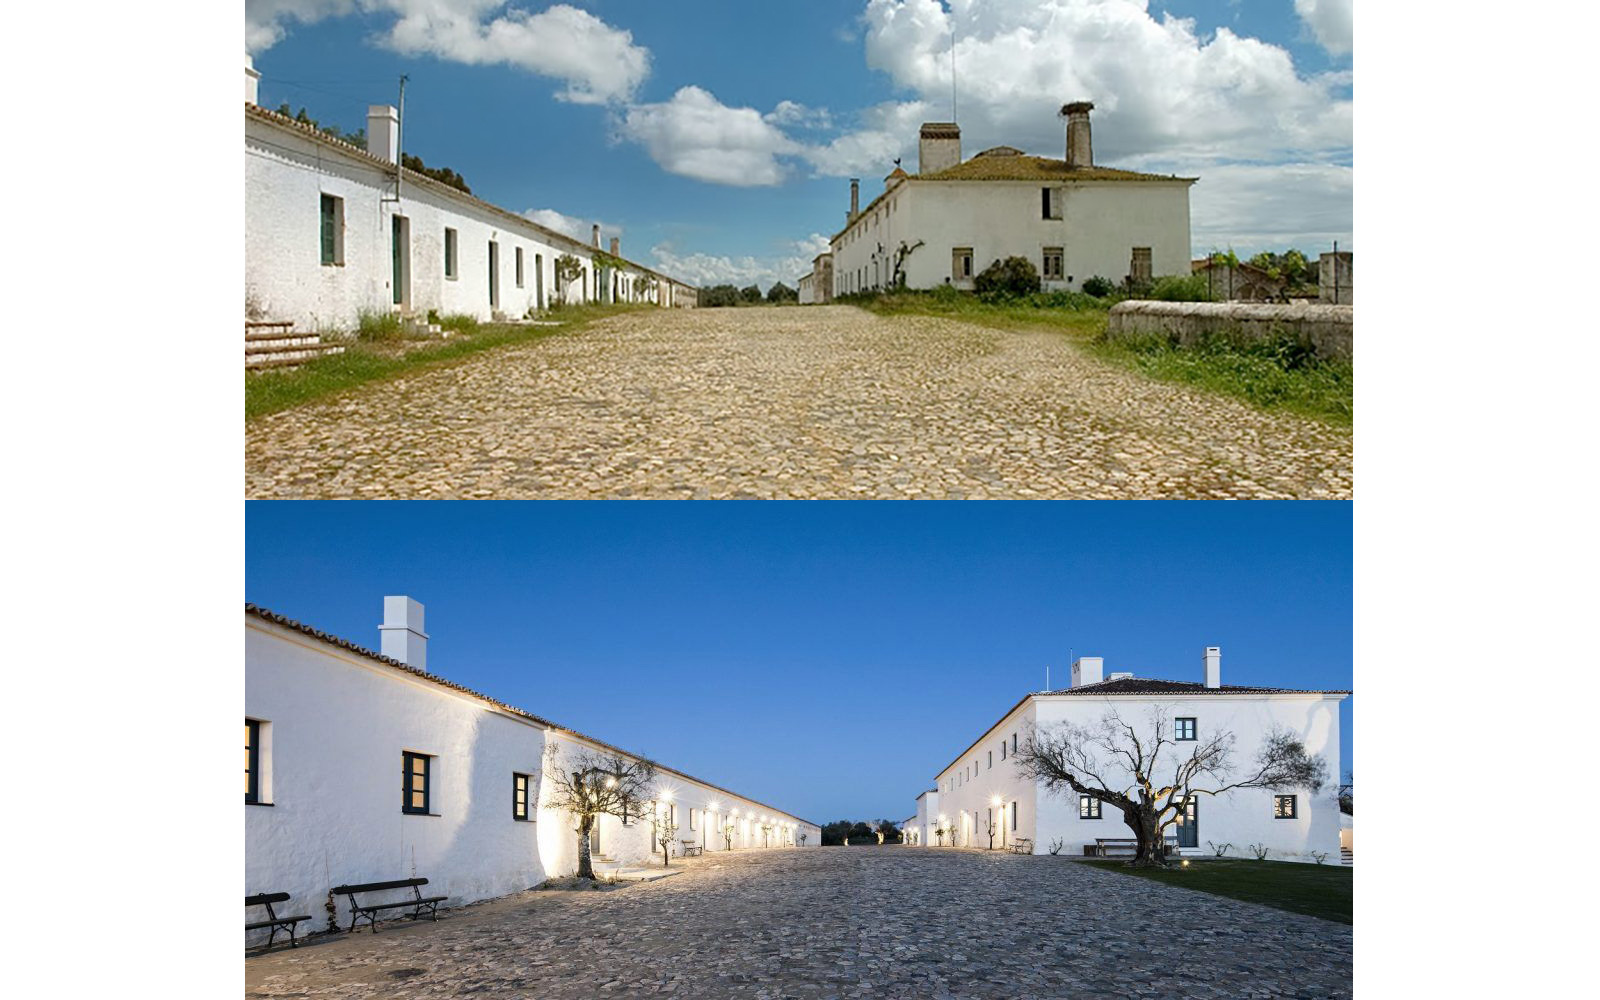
(579, 229)
(886, 131)
(695, 135)
(705, 270)
(1157, 85)
(597, 62)
(1254, 207)
(1330, 22)
(798, 116)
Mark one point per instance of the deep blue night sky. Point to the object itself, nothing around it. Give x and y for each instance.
(827, 658)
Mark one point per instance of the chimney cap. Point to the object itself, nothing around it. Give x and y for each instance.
(941, 130)
(1077, 107)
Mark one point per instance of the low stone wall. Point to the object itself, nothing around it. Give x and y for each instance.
(1328, 328)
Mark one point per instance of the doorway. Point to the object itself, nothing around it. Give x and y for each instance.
(400, 261)
(494, 275)
(1189, 825)
(538, 280)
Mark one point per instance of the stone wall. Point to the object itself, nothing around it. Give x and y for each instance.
(1328, 328)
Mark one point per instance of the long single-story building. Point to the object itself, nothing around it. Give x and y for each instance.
(982, 799)
(363, 766)
(333, 231)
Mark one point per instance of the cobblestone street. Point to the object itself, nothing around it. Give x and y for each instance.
(838, 922)
(814, 402)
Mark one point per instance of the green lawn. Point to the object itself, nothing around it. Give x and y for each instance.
(1315, 890)
(1267, 376)
(366, 361)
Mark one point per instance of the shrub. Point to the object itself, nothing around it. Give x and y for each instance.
(1098, 287)
(459, 322)
(378, 326)
(1181, 288)
(1011, 278)
(1260, 851)
(1220, 850)
(1056, 845)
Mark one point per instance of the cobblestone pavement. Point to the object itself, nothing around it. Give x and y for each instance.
(884, 923)
(816, 402)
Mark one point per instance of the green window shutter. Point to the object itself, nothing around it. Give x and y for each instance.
(327, 229)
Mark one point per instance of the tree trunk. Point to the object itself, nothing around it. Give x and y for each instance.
(585, 863)
(1147, 827)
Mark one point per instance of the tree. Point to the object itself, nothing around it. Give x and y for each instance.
(568, 270)
(662, 829)
(887, 831)
(589, 784)
(750, 293)
(728, 830)
(1115, 763)
(718, 296)
(443, 175)
(900, 254)
(992, 827)
(1098, 287)
(1011, 278)
(779, 292)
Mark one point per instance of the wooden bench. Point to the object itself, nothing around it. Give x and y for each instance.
(1103, 846)
(273, 921)
(1021, 845)
(370, 911)
(691, 849)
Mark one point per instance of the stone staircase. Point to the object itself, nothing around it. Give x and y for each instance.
(279, 345)
(417, 327)
(1347, 857)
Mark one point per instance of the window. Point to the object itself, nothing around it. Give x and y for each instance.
(1140, 267)
(1013, 815)
(1052, 264)
(519, 797)
(332, 230)
(1283, 807)
(961, 263)
(414, 771)
(519, 267)
(1002, 750)
(1013, 742)
(1050, 201)
(450, 253)
(1088, 807)
(991, 759)
(252, 761)
(693, 817)
(1183, 729)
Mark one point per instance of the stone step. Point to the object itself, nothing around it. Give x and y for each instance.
(300, 357)
(285, 345)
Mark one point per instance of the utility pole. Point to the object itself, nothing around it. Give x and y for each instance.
(399, 138)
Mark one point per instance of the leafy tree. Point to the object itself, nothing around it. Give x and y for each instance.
(718, 296)
(443, 175)
(1011, 278)
(779, 292)
(750, 293)
(887, 831)
(1114, 762)
(589, 784)
(1098, 287)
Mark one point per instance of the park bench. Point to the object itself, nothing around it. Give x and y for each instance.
(690, 848)
(273, 921)
(1103, 846)
(1021, 845)
(370, 911)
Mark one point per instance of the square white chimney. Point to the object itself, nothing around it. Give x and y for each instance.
(383, 132)
(252, 80)
(1213, 666)
(402, 636)
(1088, 670)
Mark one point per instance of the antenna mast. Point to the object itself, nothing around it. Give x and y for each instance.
(399, 139)
(953, 63)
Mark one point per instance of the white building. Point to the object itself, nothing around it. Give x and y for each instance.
(333, 231)
(981, 799)
(1074, 220)
(332, 730)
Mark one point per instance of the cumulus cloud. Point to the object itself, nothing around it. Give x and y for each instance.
(598, 63)
(1253, 207)
(793, 260)
(695, 135)
(798, 116)
(1330, 22)
(571, 225)
(1156, 84)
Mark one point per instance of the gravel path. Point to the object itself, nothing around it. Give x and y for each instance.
(816, 402)
(839, 922)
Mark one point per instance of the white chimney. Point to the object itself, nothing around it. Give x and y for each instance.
(403, 638)
(1087, 670)
(938, 147)
(1213, 666)
(383, 132)
(595, 231)
(252, 80)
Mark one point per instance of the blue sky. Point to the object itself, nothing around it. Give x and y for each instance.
(826, 658)
(716, 137)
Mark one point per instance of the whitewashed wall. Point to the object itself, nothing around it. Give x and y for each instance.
(287, 171)
(338, 723)
(969, 786)
(1102, 221)
(335, 725)
(1241, 817)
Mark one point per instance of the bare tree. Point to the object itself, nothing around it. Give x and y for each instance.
(1147, 775)
(589, 784)
(728, 830)
(662, 830)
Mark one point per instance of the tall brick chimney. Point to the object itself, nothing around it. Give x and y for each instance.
(855, 198)
(938, 147)
(1079, 151)
(616, 247)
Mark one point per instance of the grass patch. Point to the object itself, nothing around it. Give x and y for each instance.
(375, 326)
(1271, 376)
(1315, 890)
(376, 357)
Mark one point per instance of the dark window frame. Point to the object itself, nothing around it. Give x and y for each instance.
(252, 791)
(330, 229)
(406, 757)
(521, 783)
(452, 254)
(1277, 807)
(1178, 728)
(519, 266)
(1013, 815)
(1089, 807)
